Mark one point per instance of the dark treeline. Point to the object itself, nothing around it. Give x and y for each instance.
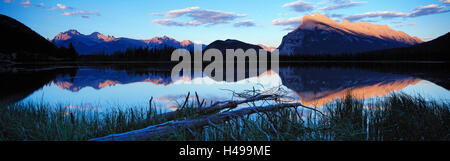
(137, 54)
(164, 54)
(69, 52)
(143, 54)
(435, 72)
(400, 54)
(40, 53)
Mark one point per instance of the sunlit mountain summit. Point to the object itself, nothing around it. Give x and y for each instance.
(319, 34)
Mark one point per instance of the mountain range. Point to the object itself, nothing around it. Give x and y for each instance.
(319, 34)
(20, 43)
(97, 43)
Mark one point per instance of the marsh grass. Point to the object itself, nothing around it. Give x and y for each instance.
(397, 117)
(394, 117)
(41, 122)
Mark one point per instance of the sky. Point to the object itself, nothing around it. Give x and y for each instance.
(204, 21)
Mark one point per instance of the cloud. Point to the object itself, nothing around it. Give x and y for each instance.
(214, 17)
(167, 22)
(170, 22)
(445, 1)
(299, 6)
(26, 3)
(419, 11)
(181, 12)
(82, 13)
(335, 15)
(61, 7)
(287, 22)
(199, 17)
(40, 5)
(427, 10)
(339, 4)
(382, 14)
(245, 23)
(402, 25)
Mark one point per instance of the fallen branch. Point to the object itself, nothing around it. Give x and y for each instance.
(167, 128)
(218, 106)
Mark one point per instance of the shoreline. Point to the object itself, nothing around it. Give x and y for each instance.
(174, 62)
(348, 119)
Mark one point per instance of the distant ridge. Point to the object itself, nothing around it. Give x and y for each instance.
(20, 43)
(319, 34)
(232, 44)
(438, 45)
(436, 50)
(97, 43)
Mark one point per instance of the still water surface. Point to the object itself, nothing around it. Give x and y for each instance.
(102, 87)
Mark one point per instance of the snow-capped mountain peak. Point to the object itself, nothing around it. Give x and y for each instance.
(99, 43)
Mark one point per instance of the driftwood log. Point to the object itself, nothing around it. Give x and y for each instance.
(216, 107)
(167, 128)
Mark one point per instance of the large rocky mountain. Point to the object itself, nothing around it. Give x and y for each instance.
(97, 43)
(319, 34)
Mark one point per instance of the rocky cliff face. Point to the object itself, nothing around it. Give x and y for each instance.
(319, 34)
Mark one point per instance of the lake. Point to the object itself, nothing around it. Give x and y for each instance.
(126, 85)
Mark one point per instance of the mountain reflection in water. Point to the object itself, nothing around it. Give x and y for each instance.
(319, 86)
(95, 88)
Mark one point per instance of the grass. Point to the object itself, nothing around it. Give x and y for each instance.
(39, 122)
(397, 117)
